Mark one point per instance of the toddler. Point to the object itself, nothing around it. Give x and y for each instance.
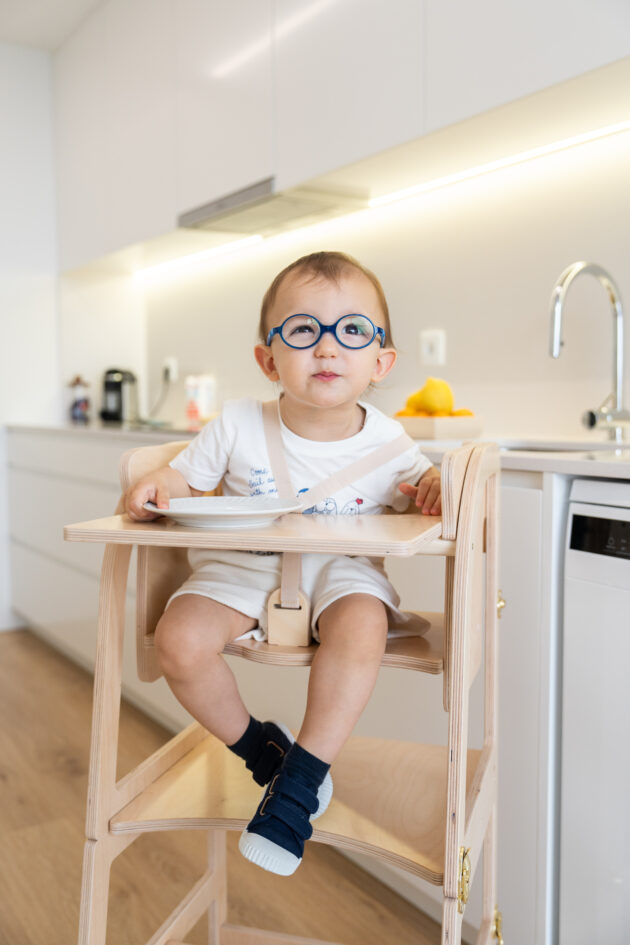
(324, 338)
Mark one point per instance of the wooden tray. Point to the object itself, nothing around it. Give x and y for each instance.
(441, 428)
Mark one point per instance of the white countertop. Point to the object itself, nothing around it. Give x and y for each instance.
(598, 460)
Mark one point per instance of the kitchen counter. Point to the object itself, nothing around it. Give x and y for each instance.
(595, 462)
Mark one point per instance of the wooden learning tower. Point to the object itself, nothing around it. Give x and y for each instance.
(442, 813)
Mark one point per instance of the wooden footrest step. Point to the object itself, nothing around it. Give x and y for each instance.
(389, 800)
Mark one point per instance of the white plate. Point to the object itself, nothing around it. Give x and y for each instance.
(226, 511)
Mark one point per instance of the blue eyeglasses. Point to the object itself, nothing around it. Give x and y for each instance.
(351, 331)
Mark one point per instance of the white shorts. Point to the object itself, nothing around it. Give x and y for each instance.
(244, 580)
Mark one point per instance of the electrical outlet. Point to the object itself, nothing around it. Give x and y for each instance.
(170, 367)
(432, 347)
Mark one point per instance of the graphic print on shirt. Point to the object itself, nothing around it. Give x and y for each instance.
(353, 507)
(261, 481)
(328, 506)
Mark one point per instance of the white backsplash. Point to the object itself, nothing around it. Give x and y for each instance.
(478, 259)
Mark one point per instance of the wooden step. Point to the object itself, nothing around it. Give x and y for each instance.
(421, 653)
(389, 800)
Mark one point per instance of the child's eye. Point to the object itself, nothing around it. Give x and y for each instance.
(301, 330)
(356, 327)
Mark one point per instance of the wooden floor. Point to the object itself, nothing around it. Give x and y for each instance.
(45, 710)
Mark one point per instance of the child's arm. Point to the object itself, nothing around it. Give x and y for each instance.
(158, 487)
(426, 495)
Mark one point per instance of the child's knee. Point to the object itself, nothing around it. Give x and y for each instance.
(183, 646)
(357, 623)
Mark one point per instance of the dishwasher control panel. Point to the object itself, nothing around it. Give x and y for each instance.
(600, 536)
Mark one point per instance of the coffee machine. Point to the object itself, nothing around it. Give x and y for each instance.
(120, 397)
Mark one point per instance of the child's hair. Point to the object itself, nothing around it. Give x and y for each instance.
(325, 265)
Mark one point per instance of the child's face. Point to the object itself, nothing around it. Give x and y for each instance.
(328, 374)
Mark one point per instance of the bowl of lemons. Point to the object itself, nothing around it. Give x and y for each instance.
(430, 414)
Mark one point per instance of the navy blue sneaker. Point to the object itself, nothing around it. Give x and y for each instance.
(275, 836)
(278, 740)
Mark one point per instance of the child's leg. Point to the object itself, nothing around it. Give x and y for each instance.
(190, 638)
(353, 635)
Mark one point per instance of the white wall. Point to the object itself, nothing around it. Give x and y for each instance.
(101, 325)
(29, 387)
(478, 259)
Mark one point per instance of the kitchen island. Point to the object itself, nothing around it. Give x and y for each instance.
(59, 475)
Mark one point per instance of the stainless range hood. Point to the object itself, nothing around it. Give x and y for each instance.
(260, 209)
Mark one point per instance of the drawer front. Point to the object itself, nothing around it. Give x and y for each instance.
(40, 506)
(89, 457)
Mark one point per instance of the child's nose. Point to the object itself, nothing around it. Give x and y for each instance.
(327, 344)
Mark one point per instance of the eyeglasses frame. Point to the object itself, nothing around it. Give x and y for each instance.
(377, 332)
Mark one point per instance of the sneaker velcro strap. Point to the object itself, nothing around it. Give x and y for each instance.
(293, 817)
(300, 793)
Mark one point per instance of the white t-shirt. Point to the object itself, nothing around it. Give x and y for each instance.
(232, 448)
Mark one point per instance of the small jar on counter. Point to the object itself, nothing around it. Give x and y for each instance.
(201, 400)
(79, 400)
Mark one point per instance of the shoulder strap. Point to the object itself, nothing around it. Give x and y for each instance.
(343, 477)
(277, 458)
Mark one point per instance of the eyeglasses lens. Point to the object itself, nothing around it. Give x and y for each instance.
(302, 331)
(354, 331)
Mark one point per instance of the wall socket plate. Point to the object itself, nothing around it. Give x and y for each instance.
(170, 366)
(432, 347)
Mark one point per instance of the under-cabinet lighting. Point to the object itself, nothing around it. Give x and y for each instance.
(183, 262)
(510, 161)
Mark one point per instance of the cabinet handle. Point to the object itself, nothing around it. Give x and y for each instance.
(500, 604)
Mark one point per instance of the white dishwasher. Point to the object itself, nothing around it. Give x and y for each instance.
(594, 880)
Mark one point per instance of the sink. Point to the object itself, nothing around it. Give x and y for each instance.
(562, 446)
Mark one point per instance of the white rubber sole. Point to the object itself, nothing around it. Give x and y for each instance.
(325, 792)
(267, 854)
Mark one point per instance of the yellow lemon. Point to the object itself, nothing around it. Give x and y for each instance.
(462, 412)
(436, 395)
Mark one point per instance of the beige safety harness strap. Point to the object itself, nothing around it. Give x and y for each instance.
(291, 561)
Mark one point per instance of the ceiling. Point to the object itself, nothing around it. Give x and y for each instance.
(44, 24)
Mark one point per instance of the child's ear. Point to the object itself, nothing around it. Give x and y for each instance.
(265, 362)
(384, 363)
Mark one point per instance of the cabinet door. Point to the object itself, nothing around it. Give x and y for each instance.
(480, 55)
(139, 121)
(80, 90)
(347, 82)
(115, 130)
(519, 709)
(223, 113)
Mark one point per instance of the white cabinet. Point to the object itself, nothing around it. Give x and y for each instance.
(347, 82)
(56, 478)
(80, 89)
(140, 145)
(520, 722)
(114, 130)
(480, 55)
(223, 98)
(164, 105)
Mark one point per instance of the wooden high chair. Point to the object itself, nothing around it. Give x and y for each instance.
(443, 812)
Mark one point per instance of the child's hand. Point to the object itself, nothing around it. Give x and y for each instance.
(147, 490)
(426, 495)
(158, 487)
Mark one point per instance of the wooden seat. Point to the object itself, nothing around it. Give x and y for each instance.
(443, 811)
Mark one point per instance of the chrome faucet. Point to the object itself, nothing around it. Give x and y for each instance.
(611, 414)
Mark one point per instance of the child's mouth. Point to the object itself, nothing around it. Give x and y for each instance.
(326, 376)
